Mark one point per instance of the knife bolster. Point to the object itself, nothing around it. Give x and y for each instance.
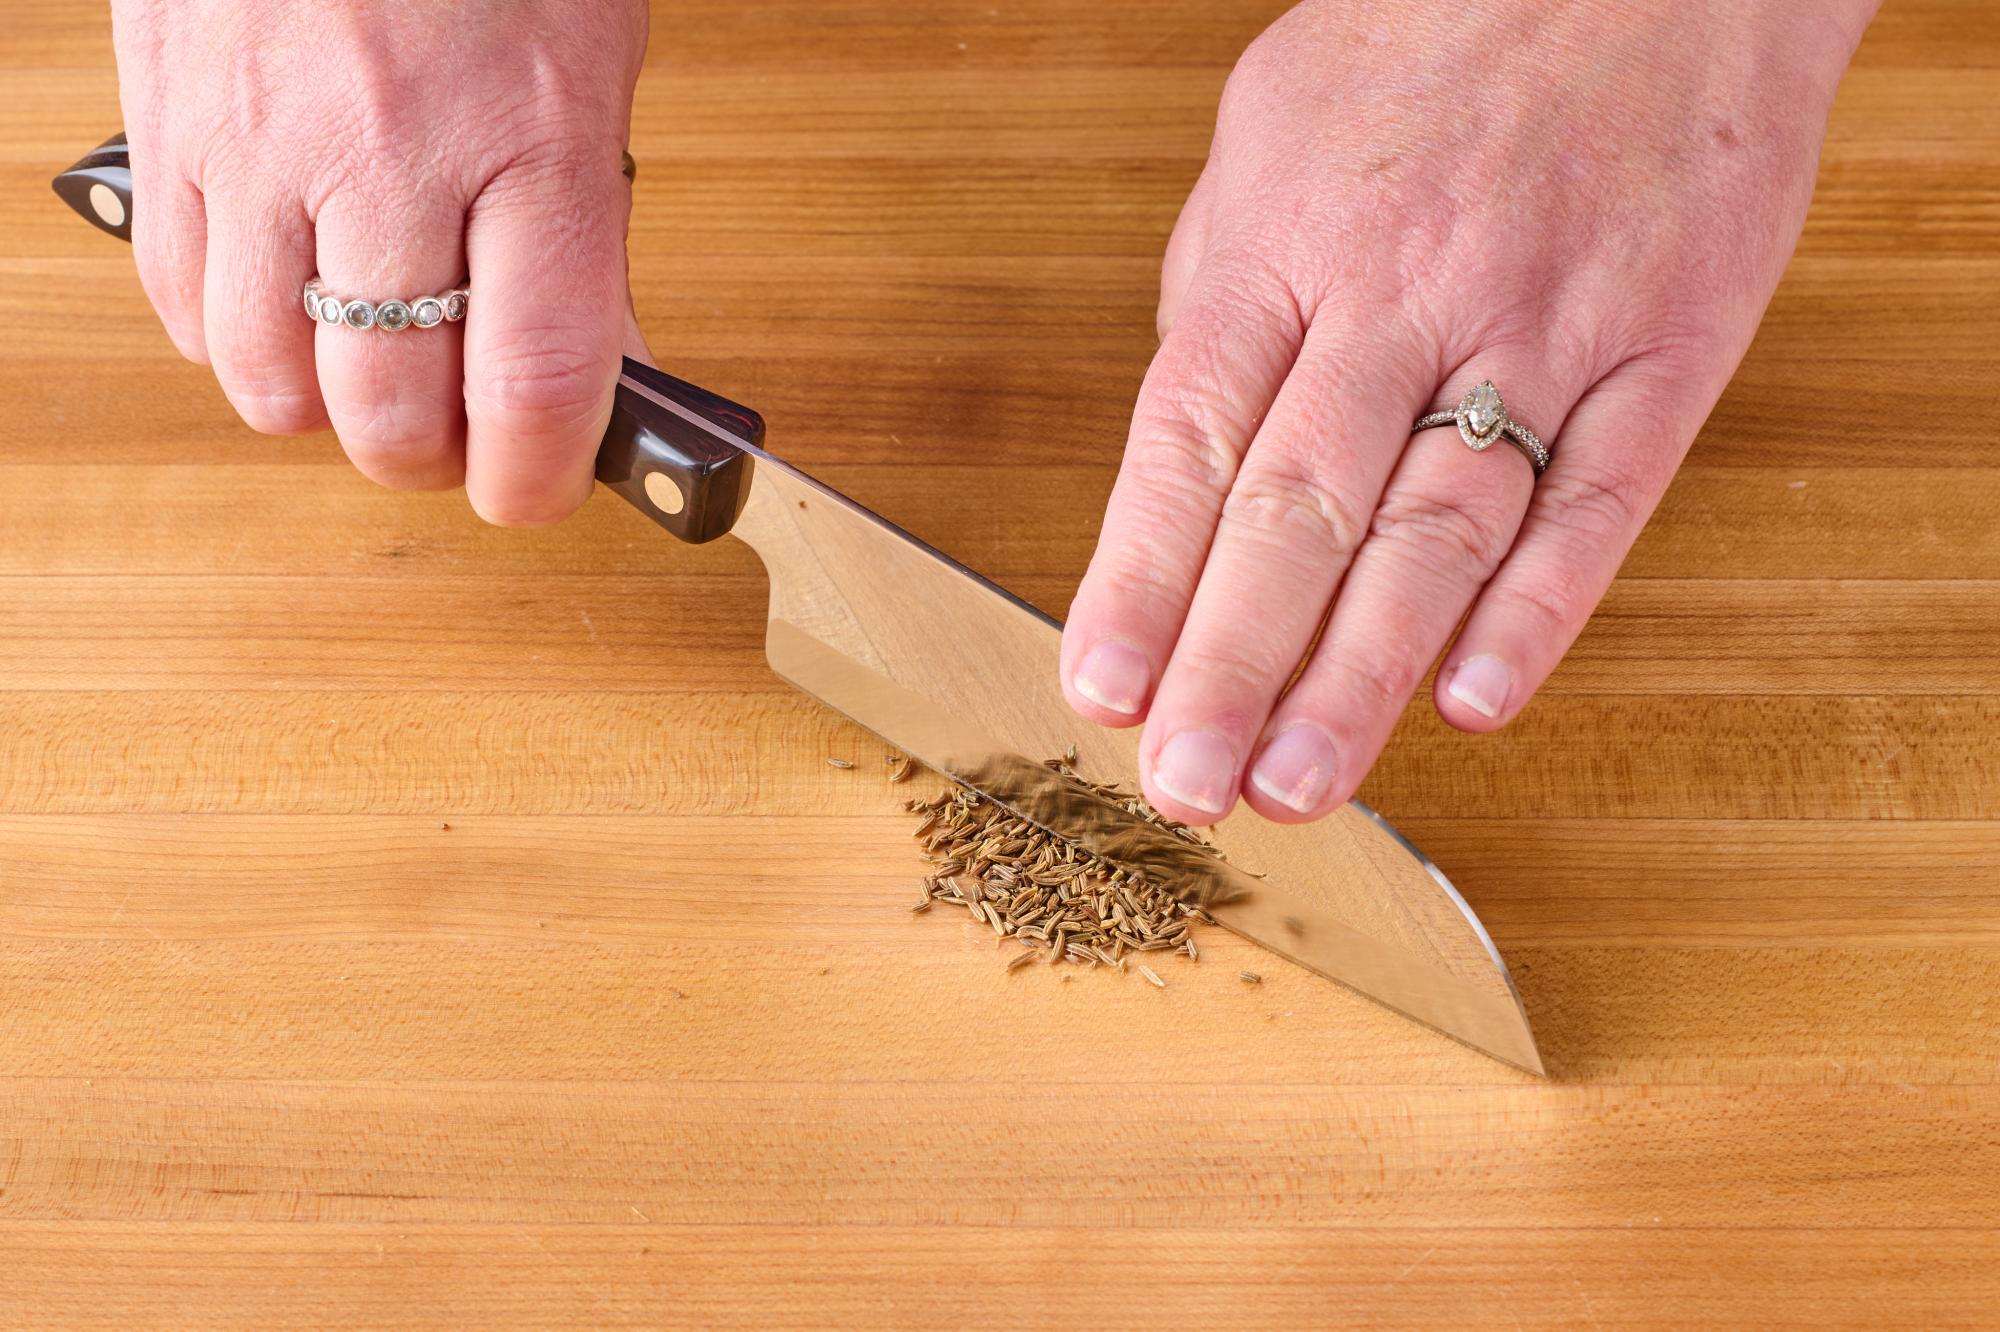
(685, 474)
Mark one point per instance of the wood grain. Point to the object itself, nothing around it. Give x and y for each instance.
(409, 923)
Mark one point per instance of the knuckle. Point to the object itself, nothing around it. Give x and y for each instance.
(1604, 504)
(1555, 597)
(541, 382)
(1183, 455)
(1383, 680)
(1442, 530)
(271, 410)
(398, 440)
(1239, 677)
(1554, 605)
(1144, 577)
(1289, 502)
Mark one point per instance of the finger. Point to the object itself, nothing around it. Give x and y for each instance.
(1296, 514)
(635, 341)
(1209, 385)
(169, 245)
(395, 397)
(1184, 251)
(1619, 450)
(259, 337)
(1443, 525)
(543, 335)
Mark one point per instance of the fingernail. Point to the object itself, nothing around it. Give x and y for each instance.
(1296, 768)
(1481, 683)
(1197, 768)
(1113, 675)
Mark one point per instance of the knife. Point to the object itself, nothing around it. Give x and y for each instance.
(955, 671)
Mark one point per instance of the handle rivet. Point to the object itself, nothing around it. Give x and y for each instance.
(104, 201)
(665, 495)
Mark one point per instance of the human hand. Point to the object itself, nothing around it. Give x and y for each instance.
(1587, 205)
(393, 149)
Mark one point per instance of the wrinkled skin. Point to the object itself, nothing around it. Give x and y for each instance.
(393, 148)
(1589, 205)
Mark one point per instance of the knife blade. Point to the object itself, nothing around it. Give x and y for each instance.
(955, 671)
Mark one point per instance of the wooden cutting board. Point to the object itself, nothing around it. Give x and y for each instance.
(405, 921)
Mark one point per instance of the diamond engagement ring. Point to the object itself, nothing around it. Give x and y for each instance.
(393, 316)
(1481, 418)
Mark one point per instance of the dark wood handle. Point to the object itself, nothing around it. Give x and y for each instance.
(675, 451)
(100, 187)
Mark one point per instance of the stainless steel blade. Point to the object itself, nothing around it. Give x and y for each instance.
(951, 668)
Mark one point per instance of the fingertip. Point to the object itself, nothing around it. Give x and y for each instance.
(1296, 775)
(1111, 682)
(1476, 694)
(543, 507)
(1192, 776)
(281, 414)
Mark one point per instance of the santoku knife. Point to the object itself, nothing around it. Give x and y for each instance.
(950, 668)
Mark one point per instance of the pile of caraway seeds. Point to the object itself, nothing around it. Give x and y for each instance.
(1060, 903)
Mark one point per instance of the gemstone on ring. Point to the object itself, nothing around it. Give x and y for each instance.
(393, 316)
(312, 302)
(427, 312)
(329, 311)
(358, 314)
(1482, 412)
(454, 305)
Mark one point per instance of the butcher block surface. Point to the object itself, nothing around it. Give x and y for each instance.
(410, 922)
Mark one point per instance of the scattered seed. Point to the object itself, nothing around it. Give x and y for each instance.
(838, 763)
(1152, 976)
(903, 770)
(918, 908)
(1023, 960)
(1252, 977)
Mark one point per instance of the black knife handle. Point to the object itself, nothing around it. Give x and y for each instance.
(100, 187)
(680, 461)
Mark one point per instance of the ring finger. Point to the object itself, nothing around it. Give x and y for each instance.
(1444, 522)
(396, 398)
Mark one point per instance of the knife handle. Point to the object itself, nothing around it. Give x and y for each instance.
(674, 450)
(100, 187)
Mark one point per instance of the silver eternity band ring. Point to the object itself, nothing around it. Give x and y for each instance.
(1481, 418)
(393, 316)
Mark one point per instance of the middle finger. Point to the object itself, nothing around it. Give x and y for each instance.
(397, 399)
